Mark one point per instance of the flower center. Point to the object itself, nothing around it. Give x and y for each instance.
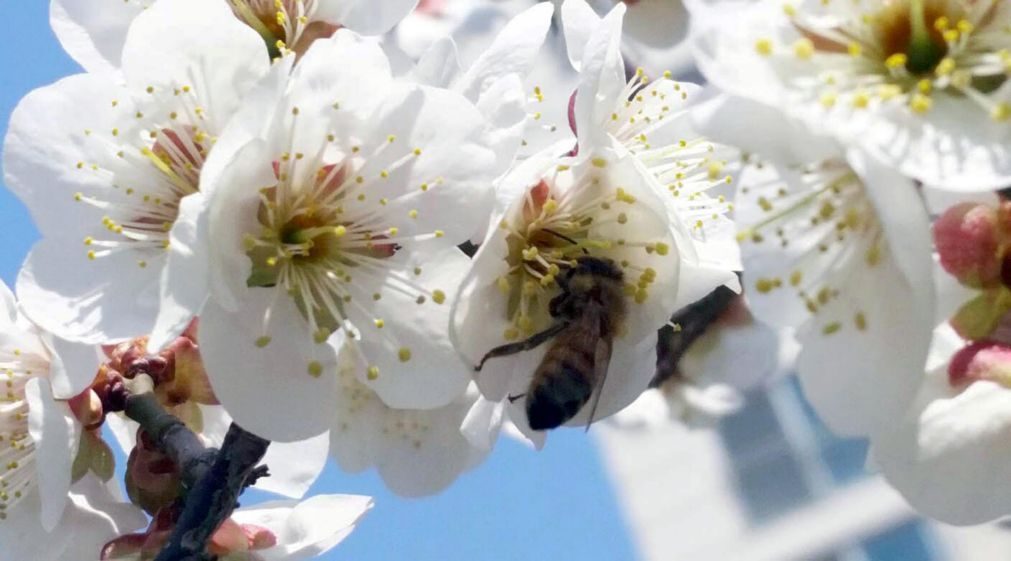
(909, 51)
(546, 236)
(147, 169)
(904, 28)
(308, 244)
(283, 24)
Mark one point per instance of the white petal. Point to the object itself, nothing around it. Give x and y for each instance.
(73, 368)
(8, 306)
(417, 453)
(93, 31)
(294, 466)
(56, 436)
(91, 305)
(602, 78)
(308, 528)
(746, 124)
(948, 455)
(368, 17)
(197, 44)
(231, 213)
(512, 51)
(433, 374)
(439, 66)
(185, 280)
(268, 390)
(93, 518)
(579, 21)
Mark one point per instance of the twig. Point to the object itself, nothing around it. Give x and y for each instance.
(214, 496)
(692, 322)
(168, 433)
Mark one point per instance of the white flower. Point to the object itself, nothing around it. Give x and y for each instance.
(416, 452)
(921, 84)
(343, 216)
(494, 81)
(93, 32)
(837, 246)
(606, 202)
(104, 165)
(515, 79)
(948, 454)
(563, 209)
(39, 439)
(652, 121)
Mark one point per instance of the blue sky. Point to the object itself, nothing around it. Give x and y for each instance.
(556, 504)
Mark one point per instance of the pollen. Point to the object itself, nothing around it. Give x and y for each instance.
(438, 296)
(372, 373)
(315, 369)
(404, 354)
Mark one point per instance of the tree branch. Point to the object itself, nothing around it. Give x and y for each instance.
(215, 495)
(213, 479)
(169, 434)
(692, 322)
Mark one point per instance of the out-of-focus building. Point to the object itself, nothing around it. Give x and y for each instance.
(771, 483)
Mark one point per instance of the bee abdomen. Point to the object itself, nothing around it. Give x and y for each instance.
(561, 388)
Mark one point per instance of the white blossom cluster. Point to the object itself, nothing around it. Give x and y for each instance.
(396, 229)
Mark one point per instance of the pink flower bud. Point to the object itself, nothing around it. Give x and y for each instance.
(968, 239)
(982, 360)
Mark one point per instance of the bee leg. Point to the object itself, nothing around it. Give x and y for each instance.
(513, 398)
(534, 341)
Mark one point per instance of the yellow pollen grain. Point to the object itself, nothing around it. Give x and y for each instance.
(438, 296)
(404, 354)
(373, 373)
(831, 328)
(763, 46)
(803, 48)
(860, 320)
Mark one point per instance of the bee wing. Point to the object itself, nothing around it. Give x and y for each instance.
(601, 361)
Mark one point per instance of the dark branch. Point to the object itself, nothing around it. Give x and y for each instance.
(692, 322)
(171, 436)
(214, 496)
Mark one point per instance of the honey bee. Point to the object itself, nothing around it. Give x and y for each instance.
(588, 313)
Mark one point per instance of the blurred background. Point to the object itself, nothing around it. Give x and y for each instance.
(768, 483)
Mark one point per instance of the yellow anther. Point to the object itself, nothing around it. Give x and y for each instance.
(803, 48)
(438, 296)
(404, 354)
(661, 248)
(372, 373)
(763, 47)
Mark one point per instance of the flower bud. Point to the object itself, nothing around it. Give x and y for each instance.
(152, 479)
(982, 360)
(968, 239)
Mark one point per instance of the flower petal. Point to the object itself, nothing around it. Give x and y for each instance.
(267, 389)
(308, 528)
(948, 455)
(56, 436)
(407, 342)
(366, 16)
(579, 23)
(93, 31)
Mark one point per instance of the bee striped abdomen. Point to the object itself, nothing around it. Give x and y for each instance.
(563, 383)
